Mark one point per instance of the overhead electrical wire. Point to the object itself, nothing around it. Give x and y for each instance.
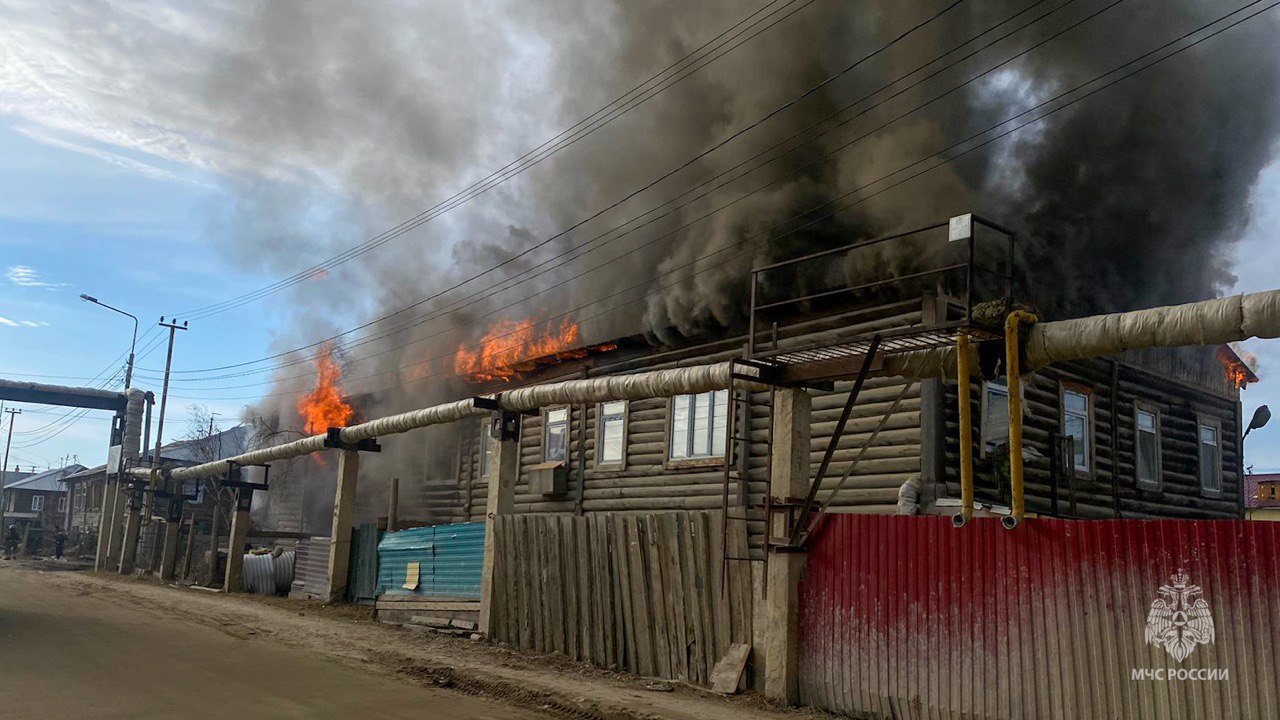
(944, 157)
(724, 141)
(489, 292)
(579, 130)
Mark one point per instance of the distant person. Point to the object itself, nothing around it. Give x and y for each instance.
(11, 542)
(59, 542)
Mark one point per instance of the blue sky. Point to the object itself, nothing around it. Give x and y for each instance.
(73, 222)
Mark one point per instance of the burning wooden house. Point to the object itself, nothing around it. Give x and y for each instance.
(1146, 434)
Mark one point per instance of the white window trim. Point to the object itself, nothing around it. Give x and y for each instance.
(711, 459)
(486, 446)
(983, 435)
(62, 503)
(1209, 422)
(37, 500)
(568, 430)
(1158, 483)
(621, 463)
(1091, 431)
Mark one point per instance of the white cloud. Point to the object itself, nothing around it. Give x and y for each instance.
(27, 277)
(9, 322)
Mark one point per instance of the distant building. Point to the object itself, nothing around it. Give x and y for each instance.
(1262, 496)
(40, 499)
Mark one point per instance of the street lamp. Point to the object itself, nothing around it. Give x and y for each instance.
(128, 373)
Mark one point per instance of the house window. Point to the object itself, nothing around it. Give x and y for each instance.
(37, 503)
(555, 438)
(80, 498)
(612, 433)
(1146, 447)
(486, 451)
(62, 503)
(698, 425)
(995, 416)
(1210, 457)
(1077, 424)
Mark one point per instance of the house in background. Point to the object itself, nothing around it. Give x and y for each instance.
(1262, 496)
(39, 500)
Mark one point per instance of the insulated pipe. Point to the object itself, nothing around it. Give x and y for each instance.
(966, 431)
(1211, 322)
(1013, 370)
(638, 386)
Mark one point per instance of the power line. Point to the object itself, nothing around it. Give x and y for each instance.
(489, 292)
(581, 129)
(944, 156)
(724, 141)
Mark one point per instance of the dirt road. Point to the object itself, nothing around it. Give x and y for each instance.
(71, 652)
(75, 645)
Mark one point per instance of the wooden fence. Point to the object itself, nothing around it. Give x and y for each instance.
(646, 593)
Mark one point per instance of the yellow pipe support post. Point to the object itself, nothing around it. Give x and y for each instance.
(966, 431)
(1013, 370)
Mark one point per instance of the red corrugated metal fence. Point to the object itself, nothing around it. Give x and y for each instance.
(907, 617)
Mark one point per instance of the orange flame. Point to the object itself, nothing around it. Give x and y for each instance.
(323, 407)
(1236, 369)
(509, 345)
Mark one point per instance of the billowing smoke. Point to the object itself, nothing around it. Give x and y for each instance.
(1131, 197)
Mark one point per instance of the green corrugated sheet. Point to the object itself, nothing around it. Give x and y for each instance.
(449, 560)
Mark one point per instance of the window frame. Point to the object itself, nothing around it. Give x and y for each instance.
(621, 463)
(546, 432)
(1091, 425)
(37, 502)
(1157, 484)
(62, 503)
(983, 435)
(484, 465)
(81, 498)
(669, 434)
(1205, 421)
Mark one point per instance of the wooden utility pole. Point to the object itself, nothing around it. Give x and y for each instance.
(170, 551)
(4, 469)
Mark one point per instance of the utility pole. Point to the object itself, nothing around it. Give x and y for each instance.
(172, 519)
(4, 469)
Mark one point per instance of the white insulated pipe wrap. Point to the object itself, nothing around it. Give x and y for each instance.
(1212, 322)
(136, 402)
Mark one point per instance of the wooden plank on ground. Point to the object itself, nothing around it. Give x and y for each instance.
(657, 595)
(640, 598)
(726, 676)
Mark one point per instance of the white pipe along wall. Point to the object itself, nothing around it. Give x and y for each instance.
(1211, 322)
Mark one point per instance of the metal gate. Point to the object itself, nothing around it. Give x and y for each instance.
(363, 581)
(908, 617)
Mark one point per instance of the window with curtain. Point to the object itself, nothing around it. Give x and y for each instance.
(555, 446)
(1146, 450)
(612, 439)
(698, 425)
